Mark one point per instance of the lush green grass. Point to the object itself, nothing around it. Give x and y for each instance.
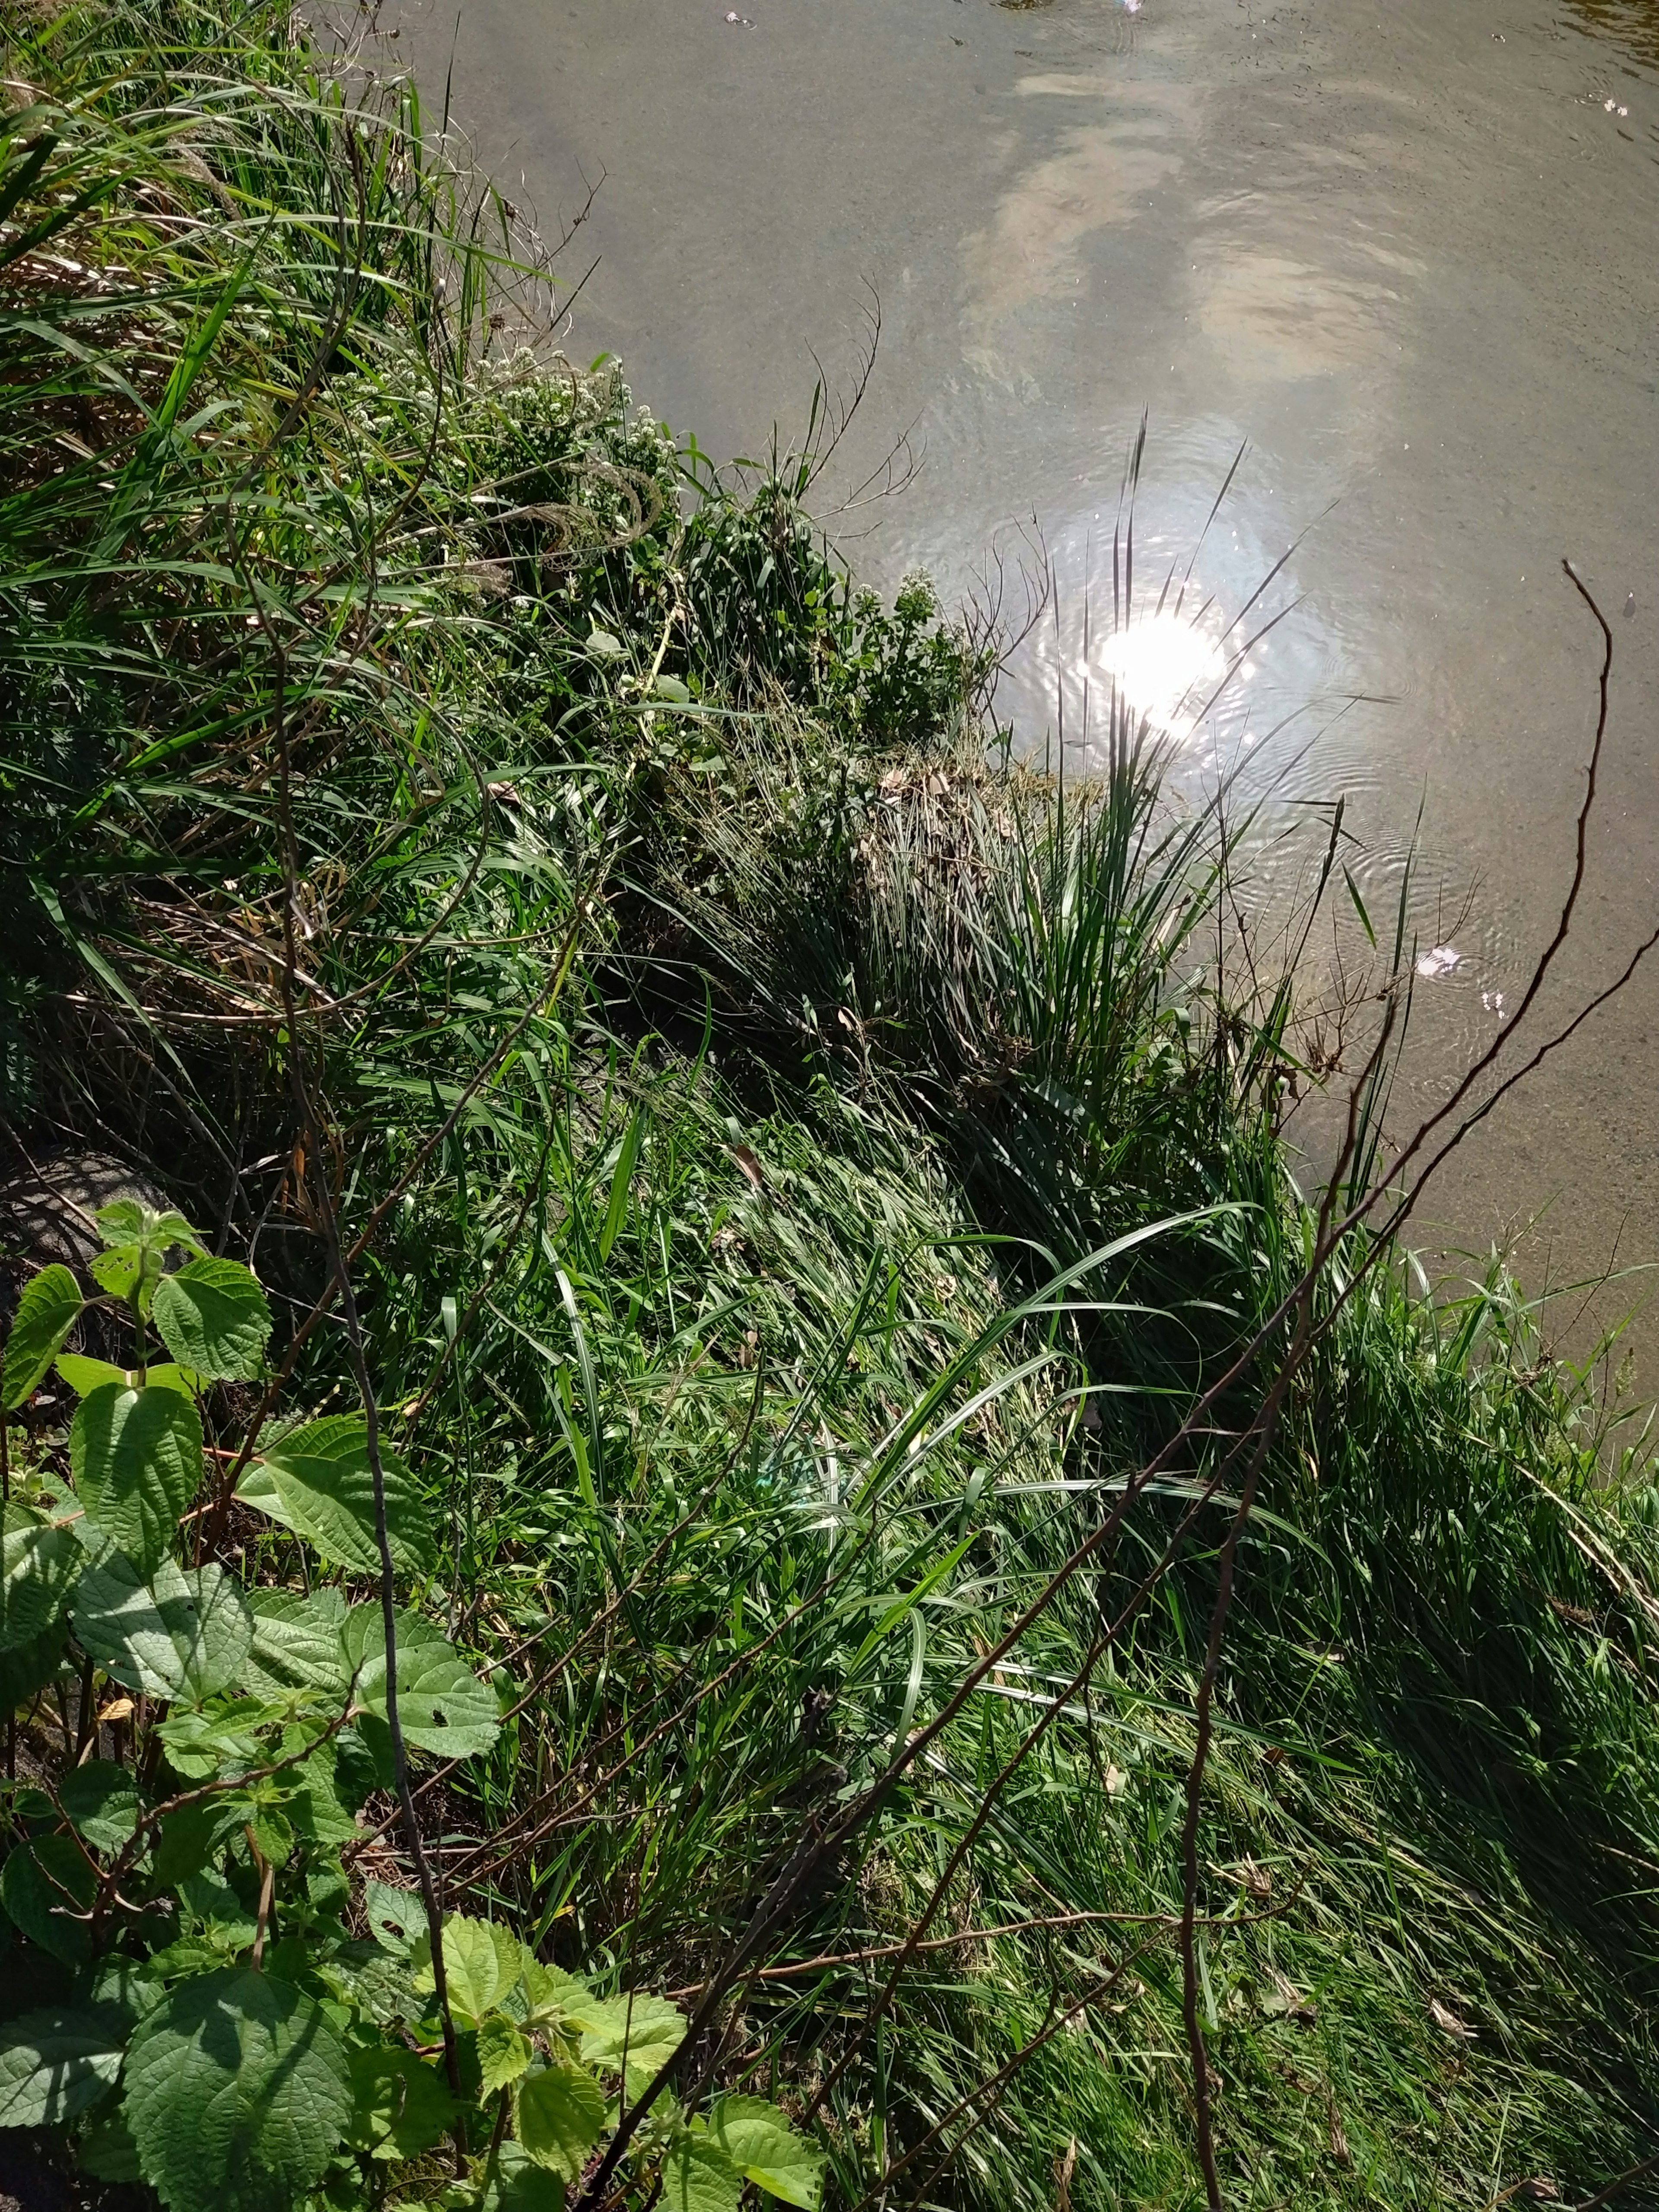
(763, 1059)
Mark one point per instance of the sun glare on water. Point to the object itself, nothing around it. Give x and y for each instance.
(1164, 669)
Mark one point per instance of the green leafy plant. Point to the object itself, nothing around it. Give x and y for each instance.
(189, 1999)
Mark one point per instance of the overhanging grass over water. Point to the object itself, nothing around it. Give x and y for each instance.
(832, 1177)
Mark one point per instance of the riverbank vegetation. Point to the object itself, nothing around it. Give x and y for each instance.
(1015, 1662)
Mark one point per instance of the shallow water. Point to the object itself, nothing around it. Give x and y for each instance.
(1407, 251)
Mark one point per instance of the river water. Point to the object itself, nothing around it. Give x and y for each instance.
(1404, 252)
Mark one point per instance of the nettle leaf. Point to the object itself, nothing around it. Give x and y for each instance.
(39, 1567)
(239, 2090)
(107, 2152)
(441, 1704)
(396, 1917)
(210, 1902)
(47, 1310)
(515, 2182)
(85, 1376)
(560, 2000)
(55, 2062)
(698, 2177)
(136, 1457)
(766, 2149)
(296, 1643)
(47, 1889)
(100, 1801)
(184, 1634)
(314, 1804)
(128, 1221)
(318, 1481)
(200, 1740)
(482, 1963)
(192, 1837)
(401, 2104)
(560, 2116)
(212, 1315)
(31, 1667)
(648, 2030)
(502, 2053)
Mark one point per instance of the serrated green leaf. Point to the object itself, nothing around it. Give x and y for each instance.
(296, 1643)
(119, 1270)
(47, 1889)
(647, 2029)
(560, 2000)
(766, 2149)
(396, 1917)
(39, 1568)
(212, 1902)
(698, 2177)
(200, 1740)
(31, 1667)
(57, 2062)
(212, 1315)
(47, 1310)
(314, 1804)
(190, 1837)
(85, 1376)
(184, 1634)
(560, 2116)
(101, 1801)
(238, 2093)
(503, 2054)
(107, 2152)
(317, 1481)
(401, 2106)
(136, 1457)
(126, 1221)
(515, 2182)
(441, 1704)
(482, 1963)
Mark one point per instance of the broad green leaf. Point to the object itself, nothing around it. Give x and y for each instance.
(396, 1917)
(55, 2063)
(313, 1803)
(647, 2029)
(126, 1221)
(31, 1667)
(136, 1457)
(760, 2144)
(698, 2177)
(401, 2104)
(39, 1568)
(47, 1889)
(515, 2182)
(101, 1801)
(441, 1704)
(48, 1309)
(107, 2152)
(317, 1481)
(238, 2093)
(482, 1963)
(560, 2116)
(85, 1376)
(559, 2000)
(296, 1643)
(118, 1270)
(192, 1836)
(503, 2054)
(212, 1316)
(201, 1739)
(273, 1832)
(184, 1634)
(212, 1902)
